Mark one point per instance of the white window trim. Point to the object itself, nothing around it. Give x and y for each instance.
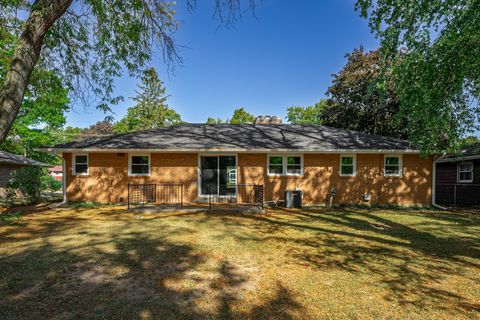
(284, 165)
(458, 172)
(400, 165)
(74, 164)
(354, 156)
(130, 155)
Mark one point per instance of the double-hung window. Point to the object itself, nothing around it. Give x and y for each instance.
(80, 164)
(139, 165)
(275, 165)
(281, 165)
(392, 166)
(465, 172)
(294, 165)
(347, 165)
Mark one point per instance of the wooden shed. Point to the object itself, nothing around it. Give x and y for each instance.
(457, 178)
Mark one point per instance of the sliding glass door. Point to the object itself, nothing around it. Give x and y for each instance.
(218, 175)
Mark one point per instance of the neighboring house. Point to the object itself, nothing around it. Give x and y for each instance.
(457, 178)
(361, 168)
(56, 172)
(10, 162)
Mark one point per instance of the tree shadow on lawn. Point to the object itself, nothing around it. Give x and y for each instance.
(410, 262)
(129, 276)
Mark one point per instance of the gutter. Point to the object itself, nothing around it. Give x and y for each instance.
(64, 181)
(64, 189)
(231, 150)
(434, 178)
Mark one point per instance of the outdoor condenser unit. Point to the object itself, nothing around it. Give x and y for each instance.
(293, 198)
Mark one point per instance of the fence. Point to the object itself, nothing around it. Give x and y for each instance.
(458, 194)
(155, 194)
(238, 194)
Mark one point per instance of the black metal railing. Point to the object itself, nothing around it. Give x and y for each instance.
(235, 194)
(155, 194)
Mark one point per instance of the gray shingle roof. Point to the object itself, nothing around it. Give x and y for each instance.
(471, 151)
(196, 137)
(10, 158)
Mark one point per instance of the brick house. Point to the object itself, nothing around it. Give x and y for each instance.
(359, 167)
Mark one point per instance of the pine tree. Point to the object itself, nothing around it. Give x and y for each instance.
(151, 110)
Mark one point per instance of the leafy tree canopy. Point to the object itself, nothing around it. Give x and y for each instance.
(437, 77)
(100, 128)
(362, 97)
(470, 140)
(151, 110)
(240, 116)
(307, 115)
(212, 120)
(89, 43)
(42, 112)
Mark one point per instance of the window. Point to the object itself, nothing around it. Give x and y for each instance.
(294, 165)
(465, 172)
(285, 165)
(232, 176)
(139, 165)
(275, 165)
(80, 164)
(347, 165)
(393, 166)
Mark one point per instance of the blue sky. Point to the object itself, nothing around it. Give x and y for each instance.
(283, 56)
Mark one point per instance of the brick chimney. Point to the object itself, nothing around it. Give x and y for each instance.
(268, 120)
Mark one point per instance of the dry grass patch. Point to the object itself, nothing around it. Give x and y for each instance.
(350, 263)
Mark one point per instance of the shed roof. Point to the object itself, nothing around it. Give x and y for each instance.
(10, 158)
(468, 153)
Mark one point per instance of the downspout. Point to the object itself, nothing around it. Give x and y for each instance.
(434, 178)
(64, 185)
(64, 181)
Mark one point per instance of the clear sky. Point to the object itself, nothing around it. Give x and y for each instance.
(283, 56)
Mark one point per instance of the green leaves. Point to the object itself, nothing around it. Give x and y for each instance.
(307, 115)
(211, 120)
(151, 110)
(437, 78)
(361, 98)
(42, 112)
(241, 116)
(96, 41)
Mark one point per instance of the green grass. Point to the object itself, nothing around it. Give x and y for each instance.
(10, 217)
(72, 263)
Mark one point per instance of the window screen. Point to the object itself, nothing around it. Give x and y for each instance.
(275, 165)
(81, 164)
(294, 165)
(392, 166)
(465, 172)
(140, 165)
(347, 166)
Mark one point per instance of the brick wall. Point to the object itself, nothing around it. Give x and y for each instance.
(108, 178)
(321, 174)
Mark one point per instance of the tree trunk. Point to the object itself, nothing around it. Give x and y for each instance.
(27, 52)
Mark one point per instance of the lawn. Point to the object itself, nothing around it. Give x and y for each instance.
(98, 263)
